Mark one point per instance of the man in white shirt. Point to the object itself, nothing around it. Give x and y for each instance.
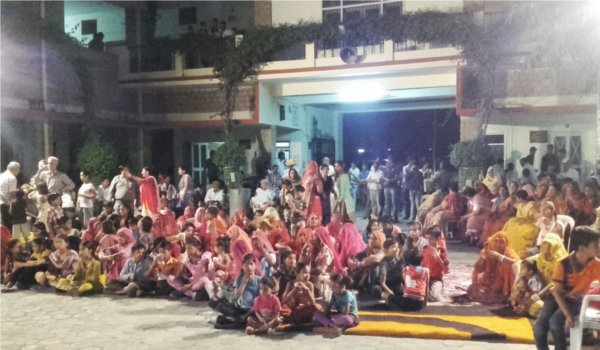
(570, 173)
(214, 196)
(263, 197)
(354, 173)
(330, 168)
(8, 189)
(374, 185)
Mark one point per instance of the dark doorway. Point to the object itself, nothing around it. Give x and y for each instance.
(162, 152)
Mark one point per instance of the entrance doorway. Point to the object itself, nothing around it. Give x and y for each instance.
(201, 153)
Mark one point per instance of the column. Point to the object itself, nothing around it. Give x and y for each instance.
(469, 128)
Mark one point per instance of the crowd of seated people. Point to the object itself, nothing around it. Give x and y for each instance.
(294, 254)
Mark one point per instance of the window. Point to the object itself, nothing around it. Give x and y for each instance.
(496, 143)
(187, 15)
(354, 9)
(88, 27)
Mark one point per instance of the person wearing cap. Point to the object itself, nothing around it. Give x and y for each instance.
(214, 196)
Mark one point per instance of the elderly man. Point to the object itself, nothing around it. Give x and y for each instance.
(8, 189)
(330, 168)
(263, 198)
(214, 196)
(57, 181)
(121, 190)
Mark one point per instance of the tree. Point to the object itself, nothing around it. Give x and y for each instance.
(98, 158)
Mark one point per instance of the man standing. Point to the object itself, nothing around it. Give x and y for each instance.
(390, 182)
(8, 189)
(550, 163)
(374, 185)
(414, 185)
(57, 181)
(354, 174)
(344, 201)
(121, 190)
(330, 168)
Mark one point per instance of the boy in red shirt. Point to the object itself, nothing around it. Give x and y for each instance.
(435, 258)
(572, 277)
(265, 312)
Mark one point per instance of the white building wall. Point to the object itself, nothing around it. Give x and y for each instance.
(516, 137)
(293, 12)
(110, 19)
(449, 6)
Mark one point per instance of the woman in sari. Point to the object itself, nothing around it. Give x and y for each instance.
(313, 184)
(323, 259)
(480, 208)
(521, 230)
(165, 224)
(364, 264)
(236, 233)
(344, 202)
(492, 181)
(551, 251)
(429, 202)
(350, 243)
(188, 216)
(148, 192)
(239, 249)
(553, 195)
(448, 210)
(579, 207)
(502, 210)
(264, 253)
(493, 276)
(294, 177)
(275, 228)
(93, 228)
(115, 257)
(305, 234)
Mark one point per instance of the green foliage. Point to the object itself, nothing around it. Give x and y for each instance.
(97, 157)
(230, 154)
(470, 154)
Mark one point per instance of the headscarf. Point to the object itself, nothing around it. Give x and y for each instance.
(199, 217)
(128, 234)
(239, 249)
(377, 239)
(334, 226)
(304, 234)
(312, 169)
(323, 235)
(351, 243)
(165, 225)
(264, 241)
(93, 228)
(238, 218)
(530, 190)
(236, 233)
(492, 180)
(493, 267)
(557, 250)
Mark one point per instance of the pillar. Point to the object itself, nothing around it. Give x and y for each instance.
(469, 128)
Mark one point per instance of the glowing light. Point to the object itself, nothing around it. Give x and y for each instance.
(361, 150)
(361, 91)
(389, 149)
(594, 7)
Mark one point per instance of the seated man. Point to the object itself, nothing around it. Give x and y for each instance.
(572, 277)
(214, 196)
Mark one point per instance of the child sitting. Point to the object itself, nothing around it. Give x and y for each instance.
(390, 271)
(525, 297)
(265, 312)
(345, 306)
(133, 274)
(194, 281)
(61, 263)
(86, 279)
(435, 258)
(247, 288)
(164, 265)
(299, 296)
(22, 276)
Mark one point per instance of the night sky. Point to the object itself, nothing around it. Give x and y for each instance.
(406, 133)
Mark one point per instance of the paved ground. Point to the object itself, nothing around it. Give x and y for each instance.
(32, 320)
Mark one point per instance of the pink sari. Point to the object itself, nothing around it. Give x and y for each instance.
(92, 230)
(149, 196)
(351, 243)
(188, 216)
(239, 249)
(114, 267)
(323, 235)
(165, 225)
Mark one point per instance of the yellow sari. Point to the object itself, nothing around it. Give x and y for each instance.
(521, 230)
(558, 251)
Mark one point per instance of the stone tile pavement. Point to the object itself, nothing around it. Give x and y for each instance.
(47, 321)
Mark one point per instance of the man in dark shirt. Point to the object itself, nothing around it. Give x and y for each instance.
(414, 185)
(390, 186)
(550, 163)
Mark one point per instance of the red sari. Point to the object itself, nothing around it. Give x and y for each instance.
(149, 196)
(313, 184)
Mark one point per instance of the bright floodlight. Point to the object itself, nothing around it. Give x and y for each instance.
(594, 7)
(361, 91)
(361, 150)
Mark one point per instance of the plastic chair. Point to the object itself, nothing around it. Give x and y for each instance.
(569, 224)
(588, 318)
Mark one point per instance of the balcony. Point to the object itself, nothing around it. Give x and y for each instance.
(167, 64)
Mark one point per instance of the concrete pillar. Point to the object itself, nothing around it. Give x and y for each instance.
(468, 128)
